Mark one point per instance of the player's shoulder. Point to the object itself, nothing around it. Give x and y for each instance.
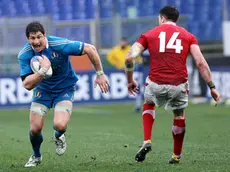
(186, 32)
(154, 30)
(55, 41)
(148, 32)
(51, 38)
(26, 51)
(182, 29)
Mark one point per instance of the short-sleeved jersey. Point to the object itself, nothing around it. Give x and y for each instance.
(57, 51)
(168, 46)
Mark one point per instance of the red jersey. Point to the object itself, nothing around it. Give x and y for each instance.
(168, 46)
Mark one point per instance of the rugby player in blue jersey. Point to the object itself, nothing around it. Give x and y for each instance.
(56, 91)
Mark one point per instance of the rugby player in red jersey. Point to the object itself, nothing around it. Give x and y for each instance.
(167, 81)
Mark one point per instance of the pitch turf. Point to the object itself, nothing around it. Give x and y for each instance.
(106, 138)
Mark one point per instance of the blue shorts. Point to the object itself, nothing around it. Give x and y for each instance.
(51, 99)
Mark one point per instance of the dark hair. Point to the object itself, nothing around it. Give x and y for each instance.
(34, 27)
(170, 13)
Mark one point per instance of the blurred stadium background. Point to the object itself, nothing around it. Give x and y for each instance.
(103, 23)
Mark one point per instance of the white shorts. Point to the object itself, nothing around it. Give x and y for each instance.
(172, 96)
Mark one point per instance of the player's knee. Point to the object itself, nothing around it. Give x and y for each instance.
(39, 109)
(64, 107)
(35, 129)
(36, 126)
(59, 125)
(178, 113)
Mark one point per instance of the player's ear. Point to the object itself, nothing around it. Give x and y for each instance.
(163, 19)
(159, 19)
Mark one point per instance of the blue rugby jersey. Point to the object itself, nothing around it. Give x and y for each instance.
(57, 51)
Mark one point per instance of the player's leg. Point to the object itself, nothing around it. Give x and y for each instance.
(37, 114)
(152, 95)
(178, 101)
(148, 117)
(62, 112)
(178, 132)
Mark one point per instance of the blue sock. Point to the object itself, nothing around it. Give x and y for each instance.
(59, 133)
(36, 141)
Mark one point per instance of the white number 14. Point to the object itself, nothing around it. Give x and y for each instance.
(171, 44)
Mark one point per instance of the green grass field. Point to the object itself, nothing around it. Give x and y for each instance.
(97, 135)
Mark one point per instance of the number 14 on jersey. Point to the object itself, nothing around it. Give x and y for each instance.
(173, 42)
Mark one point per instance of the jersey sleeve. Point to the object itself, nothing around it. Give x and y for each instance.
(73, 48)
(24, 63)
(143, 41)
(65, 46)
(193, 39)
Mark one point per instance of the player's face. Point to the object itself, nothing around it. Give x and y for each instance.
(37, 40)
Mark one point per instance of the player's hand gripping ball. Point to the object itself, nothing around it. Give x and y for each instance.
(35, 66)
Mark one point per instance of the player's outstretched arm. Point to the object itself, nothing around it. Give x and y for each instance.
(31, 81)
(101, 79)
(204, 70)
(133, 53)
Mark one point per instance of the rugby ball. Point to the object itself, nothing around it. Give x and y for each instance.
(35, 66)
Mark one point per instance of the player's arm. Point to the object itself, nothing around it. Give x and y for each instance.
(204, 69)
(201, 64)
(133, 53)
(93, 56)
(80, 48)
(31, 80)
